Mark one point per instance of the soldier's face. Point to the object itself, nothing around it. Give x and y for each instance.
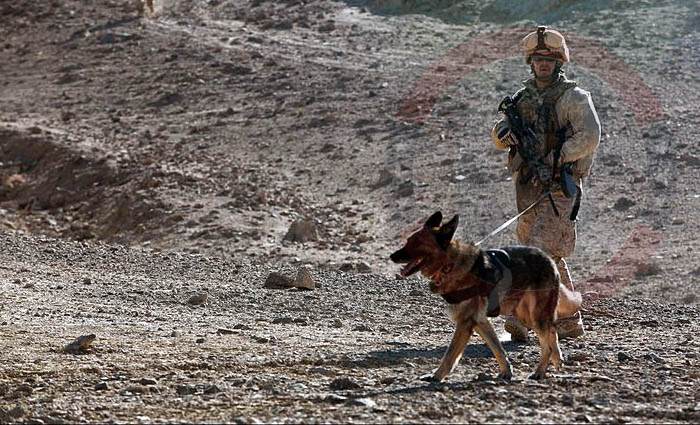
(543, 67)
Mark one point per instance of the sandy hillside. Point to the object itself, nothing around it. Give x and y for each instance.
(157, 168)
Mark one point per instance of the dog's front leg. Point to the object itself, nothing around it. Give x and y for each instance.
(488, 334)
(454, 352)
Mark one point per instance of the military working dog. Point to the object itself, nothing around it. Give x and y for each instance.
(516, 280)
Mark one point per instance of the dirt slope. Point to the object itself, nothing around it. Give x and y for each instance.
(175, 151)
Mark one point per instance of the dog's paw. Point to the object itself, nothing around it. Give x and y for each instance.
(430, 377)
(537, 376)
(505, 376)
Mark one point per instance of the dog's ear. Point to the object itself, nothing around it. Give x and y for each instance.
(446, 232)
(434, 220)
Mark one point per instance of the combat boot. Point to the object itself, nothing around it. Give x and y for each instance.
(518, 331)
(570, 327)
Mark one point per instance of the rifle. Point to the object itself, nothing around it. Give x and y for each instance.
(526, 147)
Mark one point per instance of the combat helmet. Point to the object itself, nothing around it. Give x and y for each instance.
(545, 42)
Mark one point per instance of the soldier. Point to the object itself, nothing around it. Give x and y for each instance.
(551, 105)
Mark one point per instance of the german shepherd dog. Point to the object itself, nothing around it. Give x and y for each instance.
(515, 280)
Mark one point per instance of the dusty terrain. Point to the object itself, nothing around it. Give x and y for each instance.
(150, 162)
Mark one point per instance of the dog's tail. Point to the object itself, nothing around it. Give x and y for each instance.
(569, 301)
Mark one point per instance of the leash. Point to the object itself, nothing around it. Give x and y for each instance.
(509, 222)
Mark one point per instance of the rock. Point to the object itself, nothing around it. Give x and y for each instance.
(644, 269)
(692, 160)
(166, 99)
(134, 389)
(388, 380)
(184, 389)
(282, 320)
(623, 357)
(335, 399)
(660, 184)
(337, 323)
(347, 267)
(200, 340)
(327, 147)
(385, 178)
(241, 420)
(211, 389)
(148, 381)
(321, 371)
(405, 189)
(302, 231)
(364, 402)
(583, 418)
(623, 204)
(356, 267)
(106, 38)
(278, 281)
(654, 358)
(484, 377)
(363, 267)
(101, 386)
(23, 390)
(327, 26)
(241, 326)
(283, 25)
(81, 344)
(224, 331)
(339, 384)
(198, 299)
(362, 328)
(234, 69)
(304, 279)
(578, 356)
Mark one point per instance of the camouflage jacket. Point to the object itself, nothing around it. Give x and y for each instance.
(561, 105)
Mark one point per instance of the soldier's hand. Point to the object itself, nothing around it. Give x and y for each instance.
(544, 176)
(504, 134)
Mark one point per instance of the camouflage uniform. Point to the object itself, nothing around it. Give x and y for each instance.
(561, 105)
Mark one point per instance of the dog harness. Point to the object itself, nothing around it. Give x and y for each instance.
(494, 287)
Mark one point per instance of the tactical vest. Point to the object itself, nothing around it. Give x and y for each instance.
(538, 110)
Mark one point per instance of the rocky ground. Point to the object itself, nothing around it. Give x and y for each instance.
(156, 169)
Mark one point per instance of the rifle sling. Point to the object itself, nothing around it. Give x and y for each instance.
(551, 201)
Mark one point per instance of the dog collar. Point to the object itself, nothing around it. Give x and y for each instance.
(482, 289)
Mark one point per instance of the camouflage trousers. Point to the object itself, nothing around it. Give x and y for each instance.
(556, 236)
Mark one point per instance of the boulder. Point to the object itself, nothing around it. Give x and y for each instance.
(304, 279)
(302, 231)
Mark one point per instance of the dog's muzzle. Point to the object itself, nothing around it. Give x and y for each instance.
(412, 264)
